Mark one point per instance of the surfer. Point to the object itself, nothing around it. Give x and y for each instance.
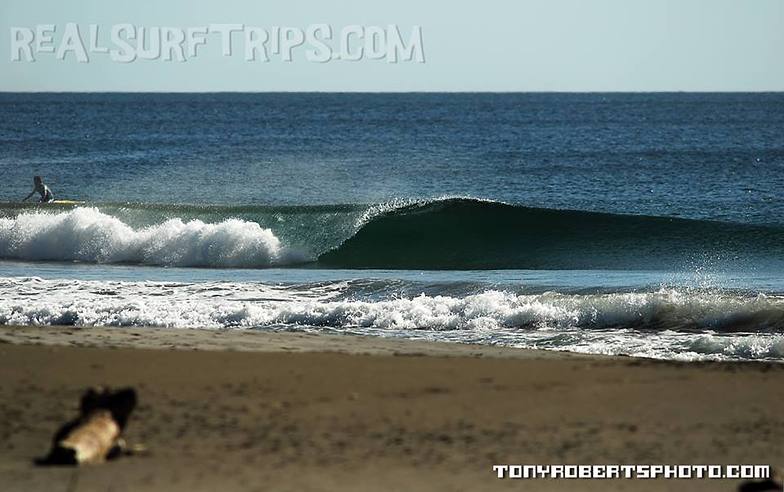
(40, 187)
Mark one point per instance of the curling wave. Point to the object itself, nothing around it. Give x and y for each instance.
(438, 234)
(460, 233)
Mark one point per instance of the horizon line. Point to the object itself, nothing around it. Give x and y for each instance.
(772, 91)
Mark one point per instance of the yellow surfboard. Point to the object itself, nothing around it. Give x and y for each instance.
(67, 202)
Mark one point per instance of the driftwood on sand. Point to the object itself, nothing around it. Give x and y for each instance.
(96, 434)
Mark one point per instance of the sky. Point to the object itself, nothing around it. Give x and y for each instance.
(492, 45)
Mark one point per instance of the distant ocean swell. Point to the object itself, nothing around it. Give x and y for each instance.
(453, 233)
(671, 323)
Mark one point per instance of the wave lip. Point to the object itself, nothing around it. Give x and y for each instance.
(88, 235)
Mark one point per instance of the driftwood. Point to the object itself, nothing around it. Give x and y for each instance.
(95, 435)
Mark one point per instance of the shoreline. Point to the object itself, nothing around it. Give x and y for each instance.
(249, 340)
(258, 340)
(235, 410)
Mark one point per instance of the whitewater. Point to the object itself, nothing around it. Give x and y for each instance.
(86, 234)
(673, 323)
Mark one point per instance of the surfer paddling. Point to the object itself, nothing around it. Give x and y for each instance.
(40, 187)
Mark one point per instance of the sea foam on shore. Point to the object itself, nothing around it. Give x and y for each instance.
(667, 323)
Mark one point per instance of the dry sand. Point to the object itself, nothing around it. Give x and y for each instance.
(226, 411)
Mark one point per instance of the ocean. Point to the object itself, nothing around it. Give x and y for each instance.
(638, 224)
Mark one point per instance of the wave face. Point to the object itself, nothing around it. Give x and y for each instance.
(666, 323)
(474, 234)
(440, 234)
(88, 235)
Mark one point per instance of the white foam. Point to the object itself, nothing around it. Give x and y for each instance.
(673, 324)
(86, 234)
(751, 346)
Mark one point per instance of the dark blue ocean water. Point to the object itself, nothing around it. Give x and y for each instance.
(718, 156)
(645, 224)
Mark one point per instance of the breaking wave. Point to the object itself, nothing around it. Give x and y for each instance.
(439, 234)
(89, 235)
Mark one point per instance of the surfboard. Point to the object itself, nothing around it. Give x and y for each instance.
(67, 202)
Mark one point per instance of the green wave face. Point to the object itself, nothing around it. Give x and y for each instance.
(471, 234)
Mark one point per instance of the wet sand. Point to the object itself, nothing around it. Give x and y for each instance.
(236, 411)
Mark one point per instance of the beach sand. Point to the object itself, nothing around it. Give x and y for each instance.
(231, 411)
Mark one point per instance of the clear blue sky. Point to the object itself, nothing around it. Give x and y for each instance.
(491, 45)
